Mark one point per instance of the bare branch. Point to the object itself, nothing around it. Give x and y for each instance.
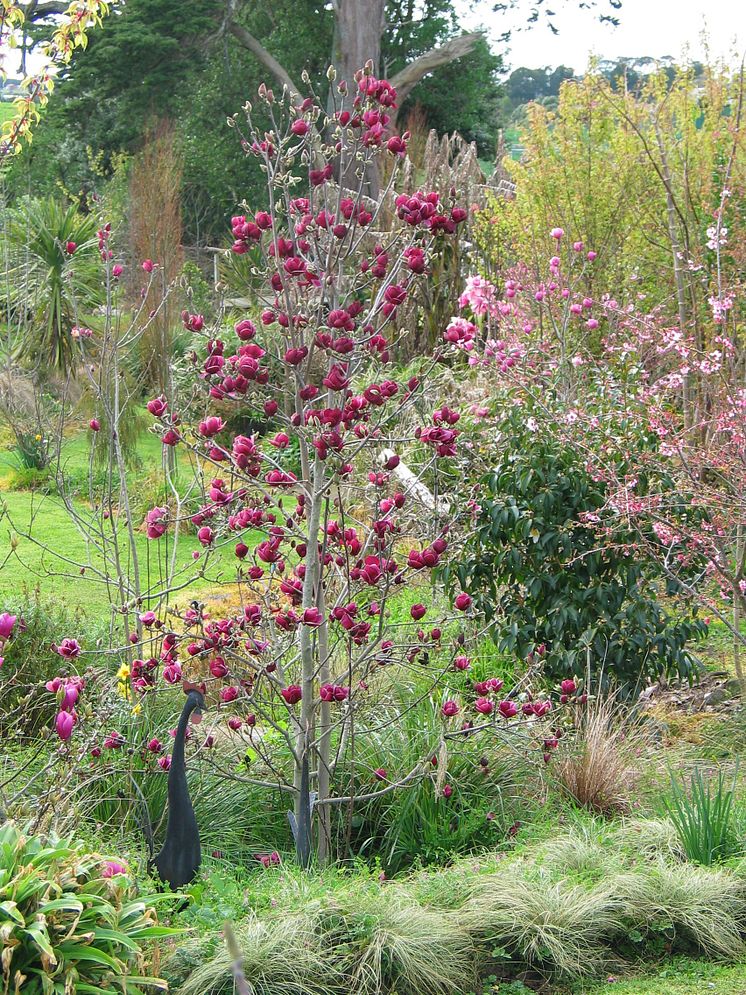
(410, 75)
(242, 35)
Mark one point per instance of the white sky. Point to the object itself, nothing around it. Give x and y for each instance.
(647, 27)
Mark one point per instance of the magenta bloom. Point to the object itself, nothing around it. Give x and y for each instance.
(164, 762)
(417, 611)
(94, 424)
(508, 709)
(112, 868)
(463, 601)
(7, 621)
(568, 686)
(64, 724)
(484, 705)
(155, 522)
(148, 265)
(148, 618)
(292, 694)
(449, 709)
(557, 233)
(447, 791)
(312, 617)
(69, 649)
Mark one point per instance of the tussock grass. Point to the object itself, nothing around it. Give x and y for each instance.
(707, 906)
(560, 926)
(599, 770)
(570, 907)
(279, 958)
(580, 855)
(651, 839)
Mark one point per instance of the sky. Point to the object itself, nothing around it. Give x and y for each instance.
(647, 27)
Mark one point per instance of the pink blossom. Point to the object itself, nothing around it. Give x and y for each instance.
(64, 724)
(7, 622)
(69, 649)
(112, 868)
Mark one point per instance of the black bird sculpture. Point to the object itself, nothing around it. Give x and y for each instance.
(181, 854)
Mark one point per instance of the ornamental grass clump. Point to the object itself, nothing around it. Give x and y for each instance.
(70, 921)
(704, 817)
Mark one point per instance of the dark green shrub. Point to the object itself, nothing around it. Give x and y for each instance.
(550, 564)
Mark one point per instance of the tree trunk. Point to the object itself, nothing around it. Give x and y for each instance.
(358, 28)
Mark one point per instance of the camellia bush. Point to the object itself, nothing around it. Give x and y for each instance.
(333, 531)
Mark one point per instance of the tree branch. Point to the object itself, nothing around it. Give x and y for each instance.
(245, 38)
(405, 80)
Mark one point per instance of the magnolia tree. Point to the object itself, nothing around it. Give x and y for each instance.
(325, 522)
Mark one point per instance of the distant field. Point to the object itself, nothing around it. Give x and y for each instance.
(7, 111)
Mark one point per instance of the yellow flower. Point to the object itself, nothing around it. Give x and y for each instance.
(38, 438)
(124, 672)
(137, 709)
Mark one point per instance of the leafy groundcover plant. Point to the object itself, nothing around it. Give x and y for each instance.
(70, 921)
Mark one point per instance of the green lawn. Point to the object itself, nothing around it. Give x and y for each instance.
(41, 547)
(7, 111)
(680, 976)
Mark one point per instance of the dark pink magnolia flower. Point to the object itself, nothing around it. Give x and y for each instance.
(211, 426)
(7, 622)
(172, 673)
(164, 762)
(114, 741)
(94, 424)
(218, 667)
(447, 791)
(485, 706)
(148, 618)
(381, 774)
(64, 724)
(155, 745)
(417, 611)
(463, 601)
(312, 617)
(292, 694)
(70, 248)
(117, 270)
(461, 663)
(205, 535)
(234, 723)
(69, 697)
(156, 522)
(157, 406)
(112, 868)
(333, 692)
(192, 322)
(69, 649)
(228, 694)
(171, 437)
(508, 709)
(450, 708)
(568, 686)
(148, 265)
